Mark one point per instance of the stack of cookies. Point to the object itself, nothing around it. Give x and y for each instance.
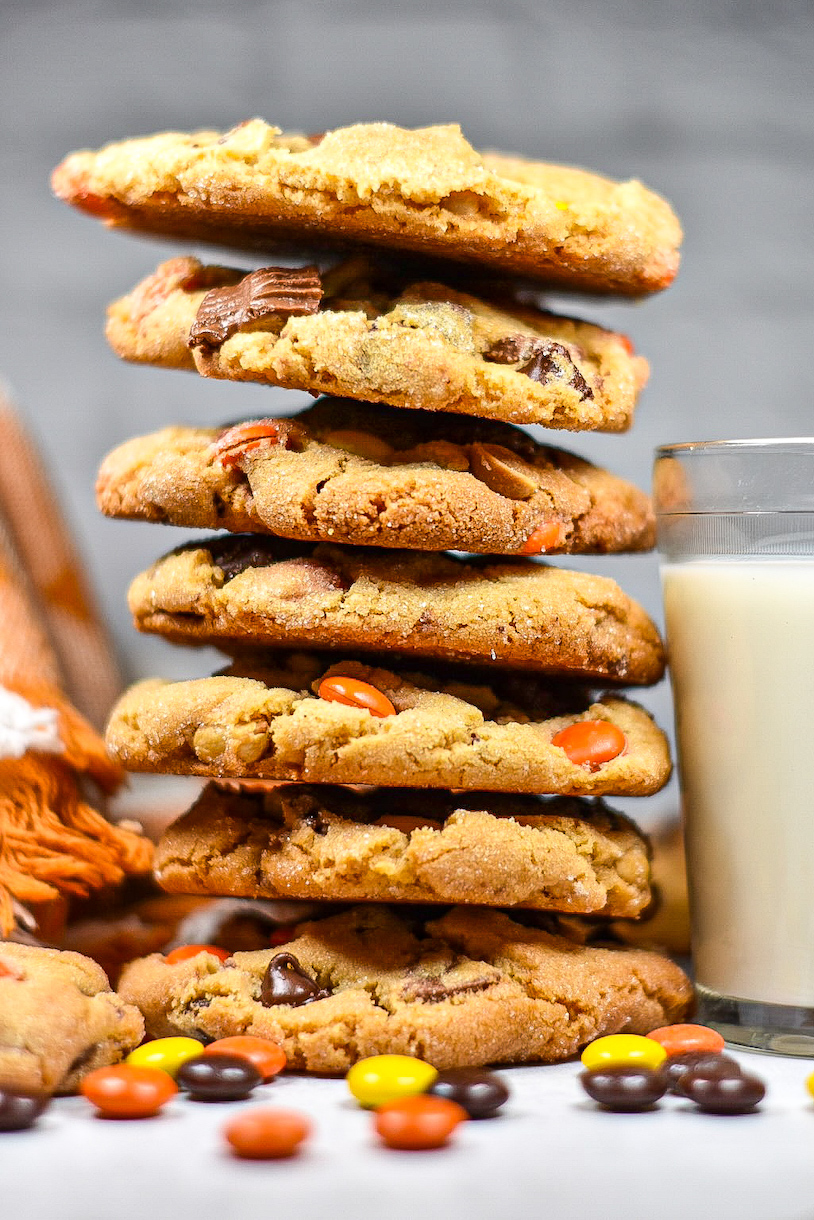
(402, 731)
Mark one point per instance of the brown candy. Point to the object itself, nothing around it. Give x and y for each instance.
(218, 1077)
(723, 1094)
(19, 1110)
(481, 1093)
(707, 1063)
(285, 982)
(626, 1090)
(542, 360)
(285, 291)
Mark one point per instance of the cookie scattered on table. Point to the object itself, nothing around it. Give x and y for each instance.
(350, 472)
(59, 1020)
(236, 591)
(426, 190)
(391, 845)
(306, 720)
(469, 988)
(363, 332)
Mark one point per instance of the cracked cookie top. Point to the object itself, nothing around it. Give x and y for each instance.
(351, 472)
(467, 987)
(426, 190)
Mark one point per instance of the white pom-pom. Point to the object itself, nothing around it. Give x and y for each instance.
(23, 727)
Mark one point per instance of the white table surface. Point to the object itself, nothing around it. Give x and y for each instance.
(552, 1155)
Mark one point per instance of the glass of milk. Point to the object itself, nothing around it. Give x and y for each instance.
(736, 538)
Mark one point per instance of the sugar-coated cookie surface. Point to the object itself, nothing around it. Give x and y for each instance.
(391, 845)
(445, 733)
(426, 190)
(58, 1019)
(350, 472)
(236, 591)
(372, 333)
(469, 988)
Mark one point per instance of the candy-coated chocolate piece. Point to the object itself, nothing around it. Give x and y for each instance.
(166, 1054)
(285, 982)
(624, 1089)
(264, 1134)
(186, 951)
(590, 743)
(282, 935)
(810, 1084)
(481, 1093)
(709, 1063)
(20, 1110)
(218, 1077)
(623, 1050)
(355, 693)
(544, 539)
(233, 444)
(124, 1091)
(384, 1078)
(723, 1094)
(418, 1122)
(265, 1055)
(679, 1039)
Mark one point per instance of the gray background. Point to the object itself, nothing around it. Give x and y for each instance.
(709, 103)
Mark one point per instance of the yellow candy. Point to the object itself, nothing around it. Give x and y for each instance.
(623, 1050)
(166, 1054)
(383, 1078)
(810, 1084)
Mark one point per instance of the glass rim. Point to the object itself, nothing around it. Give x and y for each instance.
(788, 444)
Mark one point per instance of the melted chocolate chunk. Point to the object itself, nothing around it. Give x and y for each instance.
(286, 291)
(431, 990)
(540, 359)
(285, 982)
(235, 555)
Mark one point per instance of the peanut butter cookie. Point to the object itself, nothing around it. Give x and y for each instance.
(426, 190)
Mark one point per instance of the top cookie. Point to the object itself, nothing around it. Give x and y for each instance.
(426, 190)
(373, 331)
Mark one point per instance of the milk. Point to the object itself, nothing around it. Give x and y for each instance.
(741, 637)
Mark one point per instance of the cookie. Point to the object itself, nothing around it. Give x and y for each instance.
(391, 845)
(444, 732)
(426, 190)
(238, 591)
(469, 988)
(359, 332)
(58, 1019)
(350, 472)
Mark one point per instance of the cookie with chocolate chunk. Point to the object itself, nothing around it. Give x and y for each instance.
(238, 591)
(469, 988)
(58, 1019)
(399, 845)
(426, 190)
(350, 472)
(456, 730)
(369, 333)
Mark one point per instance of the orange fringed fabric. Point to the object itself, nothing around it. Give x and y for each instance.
(52, 842)
(84, 748)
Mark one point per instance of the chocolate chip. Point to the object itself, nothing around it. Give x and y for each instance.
(723, 1094)
(285, 982)
(481, 1093)
(20, 1110)
(235, 555)
(624, 1089)
(542, 360)
(285, 291)
(218, 1077)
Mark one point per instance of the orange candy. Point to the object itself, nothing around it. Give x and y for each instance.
(261, 1134)
(233, 444)
(184, 951)
(267, 1056)
(283, 934)
(590, 743)
(418, 1122)
(9, 971)
(354, 693)
(128, 1092)
(678, 1039)
(545, 538)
